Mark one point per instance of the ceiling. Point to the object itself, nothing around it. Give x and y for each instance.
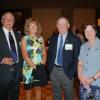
(9, 4)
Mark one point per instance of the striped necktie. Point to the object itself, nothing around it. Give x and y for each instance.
(13, 48)
(60, 51)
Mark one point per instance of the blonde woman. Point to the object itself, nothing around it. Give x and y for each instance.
(34, 54)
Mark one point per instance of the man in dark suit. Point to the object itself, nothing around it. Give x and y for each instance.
(10, 59)
(62, 60)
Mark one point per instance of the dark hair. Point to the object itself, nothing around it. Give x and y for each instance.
(90, 24)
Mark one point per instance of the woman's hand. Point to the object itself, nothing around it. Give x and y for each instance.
(89, 81)
(83, 79)
(34, 67)
(42, 62)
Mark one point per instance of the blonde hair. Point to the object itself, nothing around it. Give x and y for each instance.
(30, 20)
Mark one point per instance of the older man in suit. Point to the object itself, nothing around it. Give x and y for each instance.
(62, 59)
(10, 59)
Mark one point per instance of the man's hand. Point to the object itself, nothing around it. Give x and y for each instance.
(8, 61)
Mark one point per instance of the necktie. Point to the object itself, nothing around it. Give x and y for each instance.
(60, 51)
(13, 48)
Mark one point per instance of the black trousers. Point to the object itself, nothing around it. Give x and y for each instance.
(9, 82)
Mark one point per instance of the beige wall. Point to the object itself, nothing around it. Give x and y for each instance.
(83, 16)
(47, 18)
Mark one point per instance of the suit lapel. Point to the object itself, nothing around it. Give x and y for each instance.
(55, 40)
(4, 39)
(18, 43)
(68, 38)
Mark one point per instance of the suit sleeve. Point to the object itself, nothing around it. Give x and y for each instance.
(1, 57)
(48, 55)
(77, 45)
(51, 53)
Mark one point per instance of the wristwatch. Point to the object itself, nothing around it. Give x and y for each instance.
(94, 79)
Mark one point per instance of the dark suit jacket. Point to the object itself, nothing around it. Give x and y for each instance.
(5, 52)
(70, 57)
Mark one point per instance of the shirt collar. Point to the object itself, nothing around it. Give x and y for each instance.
(6, 30)
(64, 35)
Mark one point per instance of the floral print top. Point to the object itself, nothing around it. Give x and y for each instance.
(34, 47)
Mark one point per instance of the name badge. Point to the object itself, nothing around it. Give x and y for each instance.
(68, 47)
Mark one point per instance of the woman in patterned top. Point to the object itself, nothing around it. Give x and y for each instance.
(34, 54)
(89, 65)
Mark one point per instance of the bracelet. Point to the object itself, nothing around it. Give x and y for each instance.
(94, 79)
